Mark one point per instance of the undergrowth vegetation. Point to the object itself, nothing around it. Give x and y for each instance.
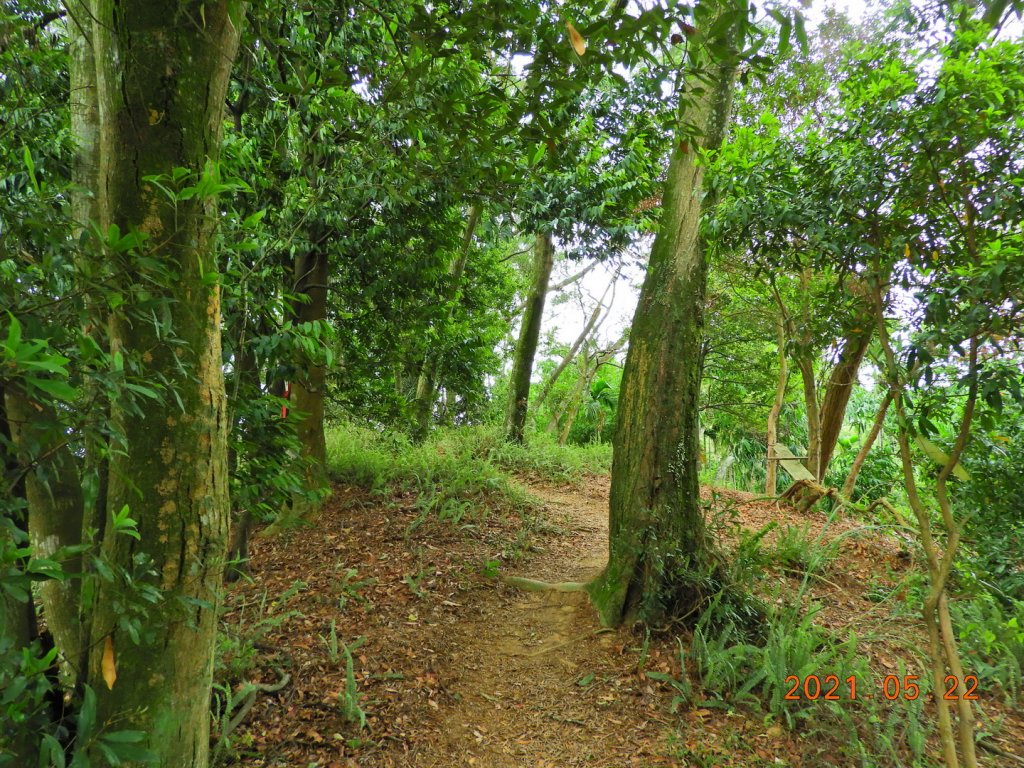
(790, 669)
(456, 465)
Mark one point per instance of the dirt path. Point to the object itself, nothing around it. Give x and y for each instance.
(537, 682)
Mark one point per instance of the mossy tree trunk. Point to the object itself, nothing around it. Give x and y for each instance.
(529, 336)
(659, 549)
(162, 71)
(308, 389)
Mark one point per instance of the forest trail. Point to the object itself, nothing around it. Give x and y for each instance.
(453, 668)
(527, 693)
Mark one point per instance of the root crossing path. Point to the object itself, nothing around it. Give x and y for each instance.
(534, 679)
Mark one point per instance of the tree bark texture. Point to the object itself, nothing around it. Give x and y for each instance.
(161, 71)
(529, 336)
(841, 382)
(658, 538)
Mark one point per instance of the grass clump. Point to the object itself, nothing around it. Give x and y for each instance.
(798, 551)
(541, 457)
(446, 476)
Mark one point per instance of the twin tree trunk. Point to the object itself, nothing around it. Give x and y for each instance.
(529, 335)
(659, 546)
(160, 75)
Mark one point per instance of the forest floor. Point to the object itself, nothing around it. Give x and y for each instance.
(450, 667)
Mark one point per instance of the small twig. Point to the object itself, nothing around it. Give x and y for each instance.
(798, 572)
(997, 750)
(250, 700)
(564, 643)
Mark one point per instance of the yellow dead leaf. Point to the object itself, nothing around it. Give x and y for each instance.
(578, 43)
(940, 457)
(108, 665)
(906, 251)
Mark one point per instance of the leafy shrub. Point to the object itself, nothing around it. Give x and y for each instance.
(991, 639)
(994, 523)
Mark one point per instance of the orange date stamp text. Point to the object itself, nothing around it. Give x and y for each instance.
(893, 687)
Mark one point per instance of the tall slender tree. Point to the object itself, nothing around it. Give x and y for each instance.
(658, 540)
(529, 335)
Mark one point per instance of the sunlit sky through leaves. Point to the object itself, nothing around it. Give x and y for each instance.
(568, 317)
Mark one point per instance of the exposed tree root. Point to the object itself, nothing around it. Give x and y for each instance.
(995, 749)
(804, 494)
(570, 641)
(532, 585)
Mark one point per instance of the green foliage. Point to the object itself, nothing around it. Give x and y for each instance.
(994, 525)
(723, 669)
(348, 698)
(461, 465)
(236, 659)
(541, 457)
(796, 550)
(991, 636)
(445, 477)
(268, 472)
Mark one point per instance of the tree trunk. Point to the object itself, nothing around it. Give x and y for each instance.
(308, 389)
(17, 618)
(162, 71)
(85, 121)
(939, 559)
(772, 468)
(574, 402)
(659, 550)
(805, 365)
(55, 510)
(426, 384)
(865, 449)
(529, 335)
(841, 382)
